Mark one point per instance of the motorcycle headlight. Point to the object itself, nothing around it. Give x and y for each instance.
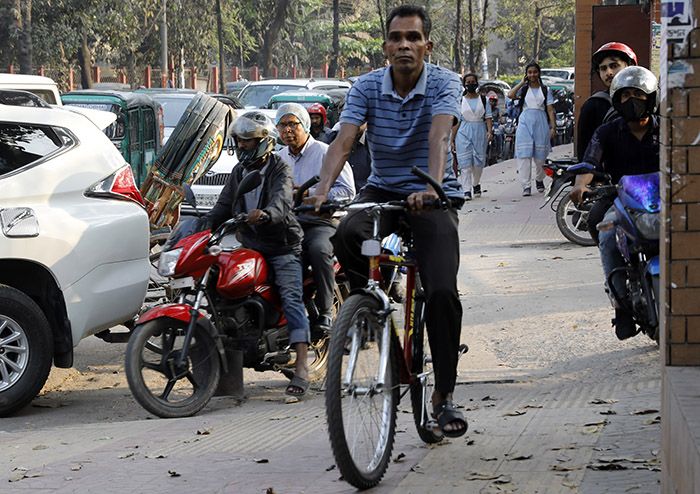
(168, 261)
(648, 224)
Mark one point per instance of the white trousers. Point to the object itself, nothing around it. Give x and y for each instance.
(525, 171)
(470, 176)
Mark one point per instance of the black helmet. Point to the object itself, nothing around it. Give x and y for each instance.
(635, 77)
(254, 125)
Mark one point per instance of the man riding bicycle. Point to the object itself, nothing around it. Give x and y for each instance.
(409, 107)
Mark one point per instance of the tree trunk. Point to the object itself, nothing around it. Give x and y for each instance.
(458, 39)
(85, 61)
(272, 34)
(381, 18)
(333, 68)
(471, 39)
(25, 36)
(482, 28)
(220, 37)
(538, 33)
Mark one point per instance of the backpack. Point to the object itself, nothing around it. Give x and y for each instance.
(521, 100)
(612, 112)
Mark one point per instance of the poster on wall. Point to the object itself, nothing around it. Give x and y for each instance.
(676, 22)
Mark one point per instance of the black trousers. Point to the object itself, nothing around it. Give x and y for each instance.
(596, 214)
(317, 252)
(436, 242)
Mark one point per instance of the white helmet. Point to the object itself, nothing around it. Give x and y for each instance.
(254, 125)
(635, 77)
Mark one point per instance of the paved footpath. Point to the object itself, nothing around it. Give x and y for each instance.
(555, 404)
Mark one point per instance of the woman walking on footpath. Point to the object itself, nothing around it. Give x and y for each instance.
(536, 127)
(472, 138)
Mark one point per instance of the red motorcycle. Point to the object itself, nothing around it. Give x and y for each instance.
(225, 301)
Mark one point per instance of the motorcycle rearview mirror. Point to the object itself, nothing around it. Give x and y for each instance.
(249, 182)
(190, 198)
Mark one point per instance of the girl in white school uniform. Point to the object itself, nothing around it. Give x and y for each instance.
(472, 138)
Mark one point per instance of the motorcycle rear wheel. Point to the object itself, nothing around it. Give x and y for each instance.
(565, 221)
(154, 381)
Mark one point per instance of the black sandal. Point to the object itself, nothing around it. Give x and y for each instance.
(445, 413)
(297, 387)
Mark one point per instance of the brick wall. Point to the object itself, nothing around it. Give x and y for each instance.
(680, 165)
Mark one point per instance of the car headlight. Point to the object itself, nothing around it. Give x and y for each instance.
(648, 224)
(168, 261)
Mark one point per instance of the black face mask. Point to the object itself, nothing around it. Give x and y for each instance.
(471, 88)
(634, 109)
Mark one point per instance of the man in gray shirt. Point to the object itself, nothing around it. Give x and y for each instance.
(305, 155)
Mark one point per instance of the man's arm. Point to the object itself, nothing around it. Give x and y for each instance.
(333, 162)
(439, 144)
(594, 156)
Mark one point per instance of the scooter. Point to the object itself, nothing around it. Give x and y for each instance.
(508, 139)
(637, 224)
(177, 351)
(572, 219)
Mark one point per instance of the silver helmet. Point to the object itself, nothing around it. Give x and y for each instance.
(254, 125)
(635, 77)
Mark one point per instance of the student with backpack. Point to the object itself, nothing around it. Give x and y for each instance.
(472, 138)
(536, 127)
(607, 61)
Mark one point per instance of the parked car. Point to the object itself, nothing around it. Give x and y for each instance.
(138, 131)
(234, 88)
(257, 94)
(43, 87)
(74, 242)
(566, 73)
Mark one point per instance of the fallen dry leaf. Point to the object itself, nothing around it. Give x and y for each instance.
(600, 422)
(488, 458)
(519, 457)
(564, 468)
(125, 455)
(514, 413)
(203, 432)
(332, 467)
(600, 401)
(606, 466)
(261, 460)
(655, 420)
(608, 412)
(646, 411)
(399, 458)
(39, 447)
(173, 473)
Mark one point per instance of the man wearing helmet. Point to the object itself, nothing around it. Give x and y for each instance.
(305, 155)
(319, 122)
(607, 61)
(272, 228)
(626, 146)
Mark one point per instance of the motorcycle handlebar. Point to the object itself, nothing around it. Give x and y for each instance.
(299, 196)
(601, 192)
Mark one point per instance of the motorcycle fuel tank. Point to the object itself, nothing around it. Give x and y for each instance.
(241, 272)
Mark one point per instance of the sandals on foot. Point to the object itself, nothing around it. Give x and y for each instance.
(445, 413)
(297, 387)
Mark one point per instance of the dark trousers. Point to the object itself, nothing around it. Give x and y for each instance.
(436, 242)
(317, 251)
(596, 214)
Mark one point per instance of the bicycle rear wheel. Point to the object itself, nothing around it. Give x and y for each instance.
(361, 416)
(424, 384)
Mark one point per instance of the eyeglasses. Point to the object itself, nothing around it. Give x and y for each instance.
(288, 125)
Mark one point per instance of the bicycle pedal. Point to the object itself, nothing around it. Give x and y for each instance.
(463, 348)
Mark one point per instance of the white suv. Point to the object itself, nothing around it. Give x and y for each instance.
(43, 87)
(74, 242)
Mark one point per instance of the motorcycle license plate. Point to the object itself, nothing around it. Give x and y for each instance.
(187, 282)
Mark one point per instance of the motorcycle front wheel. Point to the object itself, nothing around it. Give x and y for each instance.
(157, 382)
(572, 222)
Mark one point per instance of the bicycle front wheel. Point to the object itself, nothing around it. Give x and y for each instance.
(361, 414)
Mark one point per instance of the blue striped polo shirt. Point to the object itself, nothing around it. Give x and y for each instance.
(397, 128)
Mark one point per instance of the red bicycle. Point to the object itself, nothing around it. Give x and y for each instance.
(367, 365)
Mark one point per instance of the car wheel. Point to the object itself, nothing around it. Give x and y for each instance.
(26, 349)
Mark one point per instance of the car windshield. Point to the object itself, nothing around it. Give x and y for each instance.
(276, 104)
(257, 96)
(173, 108)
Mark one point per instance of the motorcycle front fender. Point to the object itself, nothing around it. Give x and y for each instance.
(181, 312)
